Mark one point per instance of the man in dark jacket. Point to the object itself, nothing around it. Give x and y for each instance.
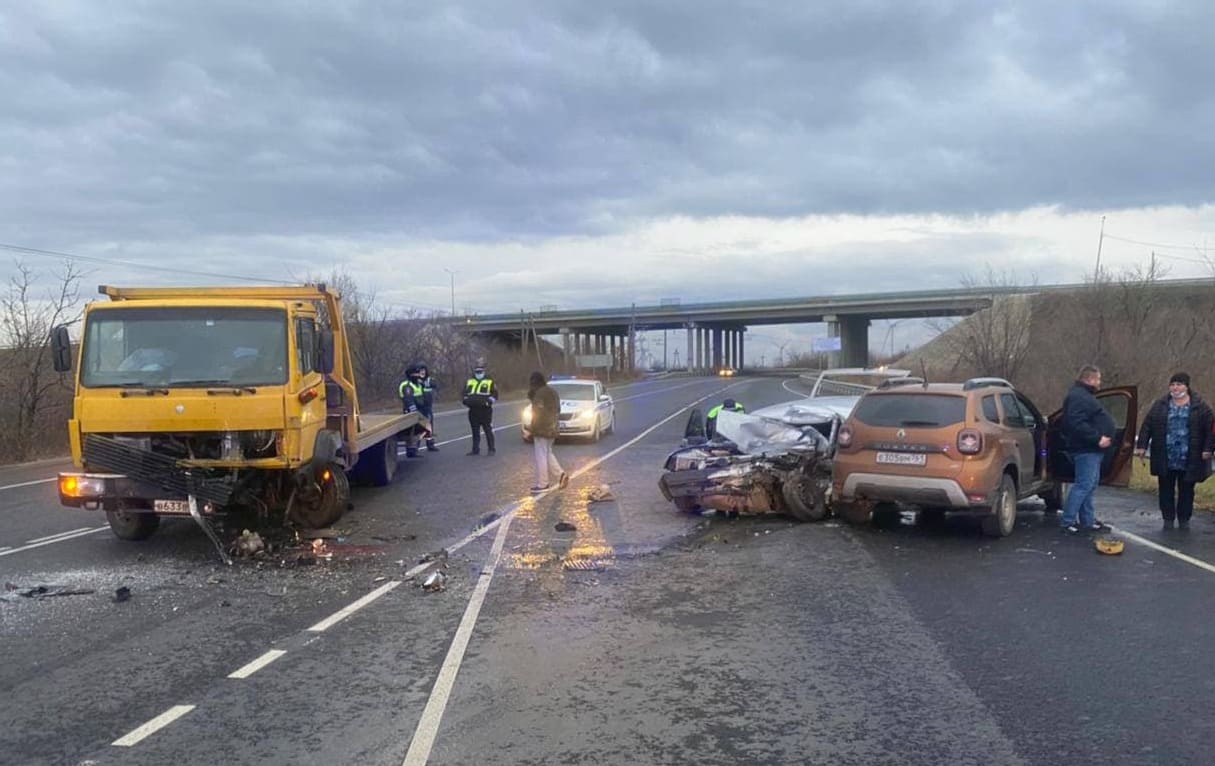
(1088, 430)
(1178, 431)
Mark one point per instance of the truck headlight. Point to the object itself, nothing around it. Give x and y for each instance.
(75, 485)
(527, 415)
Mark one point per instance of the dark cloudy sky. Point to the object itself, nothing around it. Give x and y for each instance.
(575, 153)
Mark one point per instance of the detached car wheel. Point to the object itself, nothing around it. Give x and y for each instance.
(132, 525)
(1003, 516)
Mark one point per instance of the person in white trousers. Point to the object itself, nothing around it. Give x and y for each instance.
(546, 407)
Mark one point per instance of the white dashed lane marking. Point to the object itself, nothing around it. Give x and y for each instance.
(153, 726)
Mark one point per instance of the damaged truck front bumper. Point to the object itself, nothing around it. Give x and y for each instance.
(116, 492)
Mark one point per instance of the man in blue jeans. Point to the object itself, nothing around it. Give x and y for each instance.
(1088, 430)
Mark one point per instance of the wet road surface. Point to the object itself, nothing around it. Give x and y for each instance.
(640, 636)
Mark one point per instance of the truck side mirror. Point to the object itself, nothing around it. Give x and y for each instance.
(324, 352)
(61, 349)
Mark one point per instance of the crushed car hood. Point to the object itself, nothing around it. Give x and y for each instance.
(755, 434)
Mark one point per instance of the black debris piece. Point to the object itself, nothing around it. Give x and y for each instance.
(122, 594)
(564, 526)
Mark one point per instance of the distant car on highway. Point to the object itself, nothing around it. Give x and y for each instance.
(727, 372)
(587, 409)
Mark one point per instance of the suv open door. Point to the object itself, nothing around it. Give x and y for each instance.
(1122, 404)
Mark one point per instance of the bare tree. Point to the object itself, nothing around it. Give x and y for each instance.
(995, 341)
(29, 383)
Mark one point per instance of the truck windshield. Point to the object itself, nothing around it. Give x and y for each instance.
(190, 347)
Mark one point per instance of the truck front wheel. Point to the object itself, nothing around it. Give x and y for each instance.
(132, 525)
(324, 502)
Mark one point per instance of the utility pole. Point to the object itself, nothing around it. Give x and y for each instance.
(1100, 240)
(452, 274)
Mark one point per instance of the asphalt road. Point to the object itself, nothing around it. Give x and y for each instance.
(642, 636)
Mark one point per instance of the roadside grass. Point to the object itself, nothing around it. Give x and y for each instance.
(1143, 481)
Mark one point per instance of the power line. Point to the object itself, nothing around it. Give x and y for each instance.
(171, 270)
(1187, 248)
(131, 264)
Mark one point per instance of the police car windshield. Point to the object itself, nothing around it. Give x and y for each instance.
(574, 391)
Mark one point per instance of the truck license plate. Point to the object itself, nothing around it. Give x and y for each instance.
(170, 506)
(902, 458)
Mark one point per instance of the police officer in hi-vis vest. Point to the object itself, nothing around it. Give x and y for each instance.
(480, 393)
(711, 419)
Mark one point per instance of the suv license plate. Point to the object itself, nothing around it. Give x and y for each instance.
(902, 458)
(170, 506)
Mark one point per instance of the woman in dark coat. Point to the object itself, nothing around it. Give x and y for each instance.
(1177, 430)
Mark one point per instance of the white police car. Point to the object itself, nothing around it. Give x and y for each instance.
(586, 409)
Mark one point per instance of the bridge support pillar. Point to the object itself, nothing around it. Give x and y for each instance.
(853, 332)
(742, 339)
(689, 328)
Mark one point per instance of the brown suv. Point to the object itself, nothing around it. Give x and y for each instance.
(975, 447)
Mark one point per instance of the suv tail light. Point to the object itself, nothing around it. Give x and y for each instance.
(844, 437)
(970, 441)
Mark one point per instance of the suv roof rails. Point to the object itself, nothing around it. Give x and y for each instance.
(910, 380)
(985, 383)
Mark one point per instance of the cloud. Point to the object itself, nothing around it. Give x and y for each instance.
(575, 154)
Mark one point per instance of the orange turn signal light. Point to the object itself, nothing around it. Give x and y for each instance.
(307, 395)
(69, 486)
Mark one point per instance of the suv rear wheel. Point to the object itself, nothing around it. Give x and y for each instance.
(1003, 516)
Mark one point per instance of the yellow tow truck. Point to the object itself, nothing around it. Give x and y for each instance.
(203, 401)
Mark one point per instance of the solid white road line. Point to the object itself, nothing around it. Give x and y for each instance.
(432, 715)
(257, 664)
(785, 385)
(28, 483)
(153, 726)
(59, 534)
(1165, 550)
(51, 542)
(345, 612)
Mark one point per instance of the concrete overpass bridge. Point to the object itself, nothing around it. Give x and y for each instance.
(716, 330)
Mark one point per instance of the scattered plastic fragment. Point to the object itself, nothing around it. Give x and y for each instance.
(122, 594)
(13, 592)
(249, 543)
(600, 494)
(564, 526)
(435, 581)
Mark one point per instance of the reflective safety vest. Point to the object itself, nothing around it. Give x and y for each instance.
(415, 388)
(485, 386)
(713, 412)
